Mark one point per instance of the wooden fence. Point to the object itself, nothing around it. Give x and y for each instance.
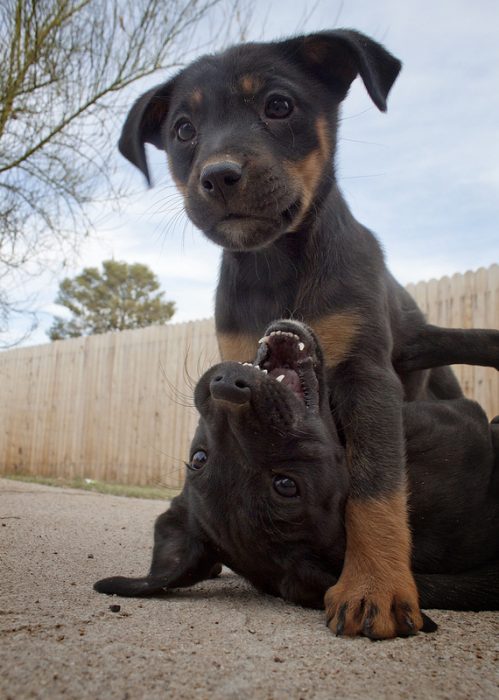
(466, 301)
(113, 407)
(118, 407)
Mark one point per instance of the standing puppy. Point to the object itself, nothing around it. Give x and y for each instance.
(250, 136)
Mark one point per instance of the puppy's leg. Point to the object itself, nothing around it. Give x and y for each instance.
(180, 558)
(376, 594)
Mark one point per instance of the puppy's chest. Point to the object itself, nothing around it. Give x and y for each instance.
(244, 309)
(337, 332)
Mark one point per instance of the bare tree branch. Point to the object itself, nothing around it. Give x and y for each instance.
(65, 66)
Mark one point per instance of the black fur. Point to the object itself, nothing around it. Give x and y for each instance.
(251, 136)
(253, 428)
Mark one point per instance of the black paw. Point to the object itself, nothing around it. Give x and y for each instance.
(428, 624)
(215, 571)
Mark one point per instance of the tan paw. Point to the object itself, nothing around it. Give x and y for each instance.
(377, 612)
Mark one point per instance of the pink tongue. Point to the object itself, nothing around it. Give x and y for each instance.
(291, 379)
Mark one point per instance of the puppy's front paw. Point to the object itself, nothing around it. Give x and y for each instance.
(374, 609)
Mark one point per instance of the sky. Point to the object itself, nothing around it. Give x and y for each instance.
(424, 176)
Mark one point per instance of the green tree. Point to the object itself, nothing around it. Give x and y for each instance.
(121, 296)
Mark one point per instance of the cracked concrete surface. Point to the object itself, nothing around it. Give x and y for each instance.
(220, 639)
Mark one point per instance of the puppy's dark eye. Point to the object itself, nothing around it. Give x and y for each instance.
(285, 486)
(185, 130)
(198, 460)
(278, 107)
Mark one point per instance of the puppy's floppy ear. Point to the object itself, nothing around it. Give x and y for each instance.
(143, 125)
(338, 56)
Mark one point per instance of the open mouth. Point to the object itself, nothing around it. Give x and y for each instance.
(289, 357)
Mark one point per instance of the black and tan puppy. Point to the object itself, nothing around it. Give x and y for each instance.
(267, 487)
(250, 136)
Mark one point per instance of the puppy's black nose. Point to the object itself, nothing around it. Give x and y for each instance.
(220, 179)
(229, 385)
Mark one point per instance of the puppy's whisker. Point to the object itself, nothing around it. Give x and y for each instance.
(175, 394)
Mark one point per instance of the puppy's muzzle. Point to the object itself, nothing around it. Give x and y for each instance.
(230, 385)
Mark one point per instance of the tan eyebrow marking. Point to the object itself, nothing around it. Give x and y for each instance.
(250, 84)
(196, 98)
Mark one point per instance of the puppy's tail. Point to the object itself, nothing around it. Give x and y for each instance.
(474, 590)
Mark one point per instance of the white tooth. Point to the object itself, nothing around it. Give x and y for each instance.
(301, 346)
(262, 340)
(264, 371)
(247, 364)
(279, 378)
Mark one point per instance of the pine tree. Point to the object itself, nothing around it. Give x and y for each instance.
(121, 296)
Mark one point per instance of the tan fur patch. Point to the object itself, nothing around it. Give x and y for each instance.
(337, 333)
(376, 590)
(224, 158)
(250, 84)
(307, 173)
(196, 98)
(237, 346)
(378, 532)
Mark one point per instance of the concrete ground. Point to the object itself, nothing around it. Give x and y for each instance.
(220, 639)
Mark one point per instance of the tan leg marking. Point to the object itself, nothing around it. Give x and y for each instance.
(376, 594)
(237, 346)
(337, 334)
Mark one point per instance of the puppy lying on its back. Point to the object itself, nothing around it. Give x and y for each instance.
(267, 483)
